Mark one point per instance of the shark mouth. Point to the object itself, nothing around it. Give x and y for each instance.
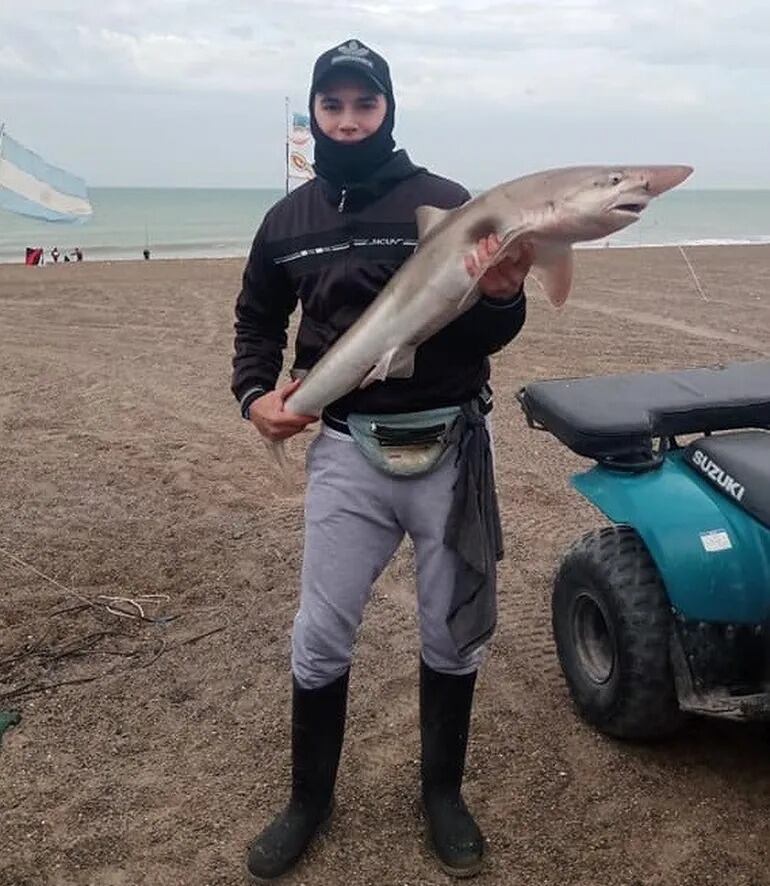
(634, 208)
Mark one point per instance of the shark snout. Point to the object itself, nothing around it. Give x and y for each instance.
(659, 179)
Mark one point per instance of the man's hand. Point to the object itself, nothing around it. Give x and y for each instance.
(505, 279)
(269, 417)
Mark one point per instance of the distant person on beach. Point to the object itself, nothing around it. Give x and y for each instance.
(333, 244)
(146, 254)
(55, 253)
(78, 252)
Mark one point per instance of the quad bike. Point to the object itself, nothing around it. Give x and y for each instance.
(667, 610)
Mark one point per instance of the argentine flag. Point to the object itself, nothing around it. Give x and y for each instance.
(30, 186)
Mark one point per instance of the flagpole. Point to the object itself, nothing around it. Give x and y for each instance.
(287, 143)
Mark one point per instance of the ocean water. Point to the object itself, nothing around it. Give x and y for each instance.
(192, 222)
(172, 222)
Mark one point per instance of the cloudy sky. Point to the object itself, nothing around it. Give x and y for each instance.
(191, 92)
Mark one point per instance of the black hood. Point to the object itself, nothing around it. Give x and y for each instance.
(381, 180)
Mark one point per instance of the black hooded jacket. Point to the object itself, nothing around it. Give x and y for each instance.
(334, 250)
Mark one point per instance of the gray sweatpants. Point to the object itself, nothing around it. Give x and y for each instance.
(355, 519)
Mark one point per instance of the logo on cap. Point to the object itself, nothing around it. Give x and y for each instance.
(353, 48)
(352, 51)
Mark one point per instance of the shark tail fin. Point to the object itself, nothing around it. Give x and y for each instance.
(277, 449)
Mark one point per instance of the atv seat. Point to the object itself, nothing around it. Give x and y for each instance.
(738, 465)
(617, 419)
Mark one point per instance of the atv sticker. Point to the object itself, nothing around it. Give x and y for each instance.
(715, 540)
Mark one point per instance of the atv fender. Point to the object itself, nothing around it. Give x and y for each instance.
(713, 557)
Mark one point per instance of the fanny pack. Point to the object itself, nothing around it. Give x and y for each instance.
(406, 444)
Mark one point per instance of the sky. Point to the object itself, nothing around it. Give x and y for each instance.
(190, 93)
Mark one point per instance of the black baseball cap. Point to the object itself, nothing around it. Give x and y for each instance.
(353, 56)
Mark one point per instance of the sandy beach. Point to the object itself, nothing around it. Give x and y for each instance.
(151, 751)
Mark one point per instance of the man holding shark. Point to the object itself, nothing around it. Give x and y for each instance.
(392, 354)
(334, 244)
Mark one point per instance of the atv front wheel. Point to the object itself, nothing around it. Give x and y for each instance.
(612, 624)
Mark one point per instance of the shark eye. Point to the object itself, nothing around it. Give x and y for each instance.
(616, 178)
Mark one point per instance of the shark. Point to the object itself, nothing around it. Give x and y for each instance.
(549, 211)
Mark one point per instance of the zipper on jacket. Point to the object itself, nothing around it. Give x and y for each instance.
(342, 199)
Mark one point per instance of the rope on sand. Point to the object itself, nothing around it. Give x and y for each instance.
(53, 581)
(110, 602)
(694, 275)
(135, 602)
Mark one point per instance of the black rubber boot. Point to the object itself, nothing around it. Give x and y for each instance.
(445, 710)
(318, 727)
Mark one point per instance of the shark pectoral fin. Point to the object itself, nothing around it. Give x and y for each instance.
(427, 219)
(552, 270)
(395, 363)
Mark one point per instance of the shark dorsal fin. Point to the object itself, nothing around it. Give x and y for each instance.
(427, 219)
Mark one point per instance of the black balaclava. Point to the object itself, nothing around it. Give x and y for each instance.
(345, 164)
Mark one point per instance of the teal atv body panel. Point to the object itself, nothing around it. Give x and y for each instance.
(713, 557)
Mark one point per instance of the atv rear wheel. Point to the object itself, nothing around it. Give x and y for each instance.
(612, 624)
